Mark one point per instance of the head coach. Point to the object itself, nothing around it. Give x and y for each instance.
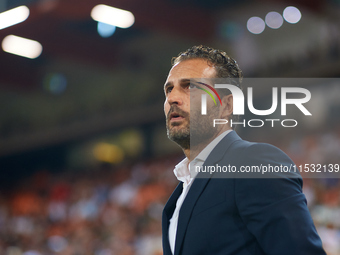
(227, 216)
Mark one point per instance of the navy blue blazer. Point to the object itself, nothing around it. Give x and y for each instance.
(243, 216)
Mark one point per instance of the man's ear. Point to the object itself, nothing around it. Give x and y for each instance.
(227, 107)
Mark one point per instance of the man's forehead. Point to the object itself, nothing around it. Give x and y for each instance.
(192, 68)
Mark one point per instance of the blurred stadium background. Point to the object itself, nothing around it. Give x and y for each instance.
(85, 164)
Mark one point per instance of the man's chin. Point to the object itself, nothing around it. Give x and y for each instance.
(180, 136)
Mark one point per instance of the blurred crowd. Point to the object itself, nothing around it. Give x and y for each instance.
(105, 211)
(323, 195)
(116, 210)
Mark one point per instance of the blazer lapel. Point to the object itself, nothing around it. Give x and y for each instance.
(186, 210)
(197, 188)
(167, 214)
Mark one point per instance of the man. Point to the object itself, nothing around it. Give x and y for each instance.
(221, 216)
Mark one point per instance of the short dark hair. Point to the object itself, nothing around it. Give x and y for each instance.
(225, 66)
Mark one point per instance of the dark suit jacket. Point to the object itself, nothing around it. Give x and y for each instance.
(243, 216)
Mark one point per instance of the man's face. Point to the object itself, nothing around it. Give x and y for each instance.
(177, 102)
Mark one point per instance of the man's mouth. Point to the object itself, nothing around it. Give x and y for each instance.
(176, 116)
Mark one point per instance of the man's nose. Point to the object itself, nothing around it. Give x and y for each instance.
(175, 97)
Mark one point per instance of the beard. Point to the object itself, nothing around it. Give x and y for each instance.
(180, 135)
(197, 131)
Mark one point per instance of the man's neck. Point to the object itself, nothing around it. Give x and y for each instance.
(193, 151)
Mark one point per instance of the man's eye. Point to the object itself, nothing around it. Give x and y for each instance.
(168, 89)
(193, 86)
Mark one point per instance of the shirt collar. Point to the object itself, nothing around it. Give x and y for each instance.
(181, 170)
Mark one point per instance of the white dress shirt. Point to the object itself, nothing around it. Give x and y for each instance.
(182, 173)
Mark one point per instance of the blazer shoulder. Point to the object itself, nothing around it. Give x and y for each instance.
(258, 150)
(267, 151)
(258, 158)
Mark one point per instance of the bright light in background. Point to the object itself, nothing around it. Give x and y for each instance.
(21, 46)
(256, 25)
(105, 30)
(112, 16)
(292, 14)
(274, 20)
(14, 16)
(109, 153)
